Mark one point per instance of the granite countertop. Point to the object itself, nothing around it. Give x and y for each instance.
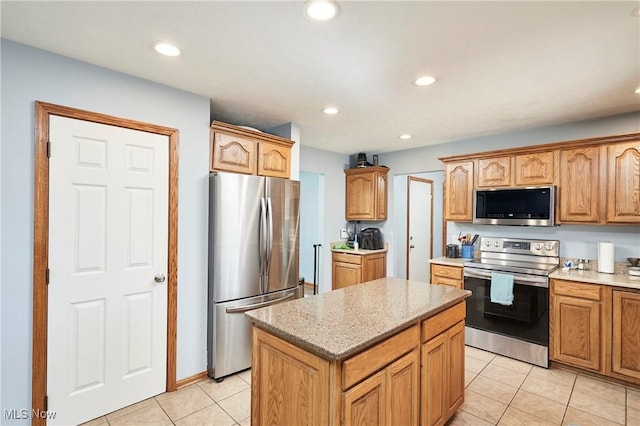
(340, 323)
(449, 261)
(360, 251)
(620, 279)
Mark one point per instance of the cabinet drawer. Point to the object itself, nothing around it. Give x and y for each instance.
(435, 325)
(452, 272)
(447, 281)
(347, 258)
(384, 353)
(575, 289)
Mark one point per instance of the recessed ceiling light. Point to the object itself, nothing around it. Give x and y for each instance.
(405, 136)
(637, 91)
(330, 111)
(425, 81)
(166, 49)
(636, 11)
(321, 10)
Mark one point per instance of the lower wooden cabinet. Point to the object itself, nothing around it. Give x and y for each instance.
(625, 349)
(388, 397)
(575, 324)
(595, 327)
(447, 275)
(350, 269)
(415, 377)
(443, 371)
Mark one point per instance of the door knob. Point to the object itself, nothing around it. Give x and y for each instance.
(159, 278)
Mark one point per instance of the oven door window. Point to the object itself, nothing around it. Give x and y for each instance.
(526, 319)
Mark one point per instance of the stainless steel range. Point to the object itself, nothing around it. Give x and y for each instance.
(519, 329)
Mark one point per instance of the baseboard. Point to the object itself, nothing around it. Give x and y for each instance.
(191, 379)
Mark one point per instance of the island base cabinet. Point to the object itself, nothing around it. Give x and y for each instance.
(389, 397)
(283, 372)
(443, 376)
(626, 336)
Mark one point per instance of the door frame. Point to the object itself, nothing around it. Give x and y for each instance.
(429, 182)
(43, 111)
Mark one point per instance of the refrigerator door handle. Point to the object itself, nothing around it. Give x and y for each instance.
(269, 247)
(263, 245)
(241, 309)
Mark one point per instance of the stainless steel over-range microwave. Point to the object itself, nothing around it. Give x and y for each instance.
(527, 206)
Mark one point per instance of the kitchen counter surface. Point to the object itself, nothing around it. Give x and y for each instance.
(449, 261)
(360, 251)
(620, 279)
(340, 323)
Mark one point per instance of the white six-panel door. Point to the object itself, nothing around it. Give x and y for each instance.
(419, 206)
(107, 314)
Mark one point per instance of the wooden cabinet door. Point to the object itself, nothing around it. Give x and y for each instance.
(366, 193)
(374, 266)
(360, 196)
(493, 172)
(535, 169)
(579, 191)
(403, 384)
(364, 404)
(232, 153)
(345, 274)
(434, 387)
(274, 160)
(623, 192)
(283, 372)
(381, 196)
(575, 325)
(455, 396)
(458, 191)
(626, 334)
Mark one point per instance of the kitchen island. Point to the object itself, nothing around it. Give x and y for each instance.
(389, 351)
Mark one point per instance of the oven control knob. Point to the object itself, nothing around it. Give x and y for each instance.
(538, 247)
(548, 247)
(496, 244)
(487, 243)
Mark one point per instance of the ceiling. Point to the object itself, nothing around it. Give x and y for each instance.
(500, 66)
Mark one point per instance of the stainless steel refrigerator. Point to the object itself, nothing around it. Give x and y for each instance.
(253, 260)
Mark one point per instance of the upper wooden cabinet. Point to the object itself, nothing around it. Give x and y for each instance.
(597, 179)
(494, 172)
(240, 150)
(580, 194)
(366, 193)
(535, 169)
(623, 193)
(458, 190)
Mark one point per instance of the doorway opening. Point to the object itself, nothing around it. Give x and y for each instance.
(311, 229)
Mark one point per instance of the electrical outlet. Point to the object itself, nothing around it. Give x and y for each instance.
(343, 233)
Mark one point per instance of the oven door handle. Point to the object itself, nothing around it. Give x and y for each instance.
(531, 280)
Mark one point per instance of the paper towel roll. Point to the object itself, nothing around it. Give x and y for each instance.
(606, 258)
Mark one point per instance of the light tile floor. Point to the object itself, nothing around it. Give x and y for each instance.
(499, 391)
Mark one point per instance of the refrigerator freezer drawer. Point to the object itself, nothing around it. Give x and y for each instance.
(229, 351)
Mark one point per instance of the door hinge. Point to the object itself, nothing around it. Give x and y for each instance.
(46, 278)
(46, 403)
(48, 149)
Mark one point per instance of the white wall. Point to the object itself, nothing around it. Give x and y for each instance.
(28, 75)
(331, 165)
